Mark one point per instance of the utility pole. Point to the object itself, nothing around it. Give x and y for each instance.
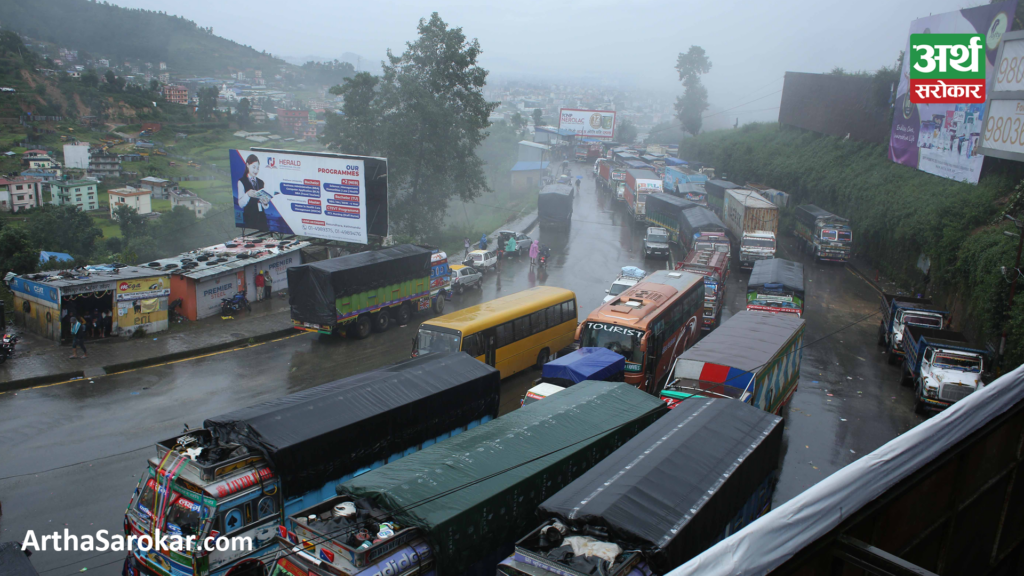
(1013, 285)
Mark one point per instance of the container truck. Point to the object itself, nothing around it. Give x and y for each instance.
(639, 184)
(697, 475)
(825, 235)
(554, 204)
(713, 265)
(666, 211)
(898, 312)
(716, 195)
(753, 222)
(699, 226)
(244, 472)
(360, 293)
(942, 365)
(753, 357)
(459, 506)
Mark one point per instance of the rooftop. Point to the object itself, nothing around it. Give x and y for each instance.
(220, 258)
(154, 180)
(91, 274)
(73, 183)
(526, 165)
(128, 191)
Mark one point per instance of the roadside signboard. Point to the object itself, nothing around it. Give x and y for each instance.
(1002, 132)
(588, 123)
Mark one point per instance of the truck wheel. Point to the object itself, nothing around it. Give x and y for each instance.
(439, 303)
(919, 406)
(459, 289)
(402, 314)
(892, 358)
(361, 328)
(542, 358)
(381, 321)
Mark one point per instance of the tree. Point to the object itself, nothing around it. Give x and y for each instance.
(90, 79)
(17, 254)
(627, 132)
(176, 230)
(429, 116)
(154, 85)
(207, 102)
(110, 77)
(537, 115)
(356, 129)
(63, 229)
(243, 113)
(517, 121)
(132, 224)
(691, 106)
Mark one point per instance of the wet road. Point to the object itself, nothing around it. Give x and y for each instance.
(94, 437)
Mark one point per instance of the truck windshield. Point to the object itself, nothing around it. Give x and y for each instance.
(615, 338)
(758, 243)
(836, 235)
(658, 238)
(958, 362)
(436, 341)
(925, 321)
(183, 518)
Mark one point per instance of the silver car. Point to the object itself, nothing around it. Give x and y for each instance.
(465, 277)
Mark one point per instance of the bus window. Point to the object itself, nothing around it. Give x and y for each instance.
(522, 326)
(434, 341)
(473, 345)
(554, 314)
(537, 322)
(505, 336)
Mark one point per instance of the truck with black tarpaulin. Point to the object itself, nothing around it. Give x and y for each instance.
(244, 472)
(554, 204)
(701, 227)
(776, 286)
(825, 235)
(697, 475)
(666, 211)
(461, 504)
(363, 292)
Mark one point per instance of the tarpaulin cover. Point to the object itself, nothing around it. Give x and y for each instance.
(777, 271)
(313, 289)
(675, 162)
(584, 364)
(717, 188)
(480, 490)
(671, 490)
(697, 220)
(13, 561)
(554, 203)
(669, 205)
(638, 164)
(800, 523)
(746, 341)
(809, 213)
(321, 434)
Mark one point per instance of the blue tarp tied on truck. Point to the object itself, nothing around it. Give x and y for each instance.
(584, 364)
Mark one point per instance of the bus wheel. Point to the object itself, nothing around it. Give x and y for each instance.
(381, 321)
(360, 328)
(402, 314)
(439, 303)
(542, 358)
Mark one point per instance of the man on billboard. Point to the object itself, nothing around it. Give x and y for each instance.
(252, 198)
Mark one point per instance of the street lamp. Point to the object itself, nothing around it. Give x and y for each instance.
(1013, 285)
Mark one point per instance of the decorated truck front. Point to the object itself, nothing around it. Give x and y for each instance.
(361, 293)
(825, 235)
(776, 286)
(714, 266)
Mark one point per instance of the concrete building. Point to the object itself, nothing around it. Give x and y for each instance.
(81, 193)
(158, 186)
(128, 196)
(22, 193)
(294, 122)
(175, 94)
(103, 164)
(533, 151)
(189, 200)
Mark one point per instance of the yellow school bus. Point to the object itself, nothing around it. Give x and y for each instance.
(510, 333)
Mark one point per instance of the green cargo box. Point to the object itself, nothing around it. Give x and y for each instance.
(347, 305)
(480, 490)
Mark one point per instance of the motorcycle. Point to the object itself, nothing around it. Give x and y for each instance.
(7, 344)
(236, 303)
(542, 260)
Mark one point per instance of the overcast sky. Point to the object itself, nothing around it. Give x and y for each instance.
(751, 44)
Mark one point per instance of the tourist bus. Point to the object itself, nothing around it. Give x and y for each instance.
(650, 324)
(511, 333)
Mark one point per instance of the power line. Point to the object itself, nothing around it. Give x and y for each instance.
(74, 464)
(741, 105)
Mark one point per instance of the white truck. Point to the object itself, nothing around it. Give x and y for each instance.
(753, 223)
(942, 365)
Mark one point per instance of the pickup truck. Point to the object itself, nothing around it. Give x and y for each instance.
(900, 311)
(943, 367)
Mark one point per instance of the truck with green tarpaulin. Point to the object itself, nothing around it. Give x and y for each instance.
(461, 504)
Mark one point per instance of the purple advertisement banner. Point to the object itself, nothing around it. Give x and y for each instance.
(942, 139)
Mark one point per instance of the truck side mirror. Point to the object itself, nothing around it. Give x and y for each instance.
(608, 291)
(643, 342)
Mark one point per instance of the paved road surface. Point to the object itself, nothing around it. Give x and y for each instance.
(109, 425)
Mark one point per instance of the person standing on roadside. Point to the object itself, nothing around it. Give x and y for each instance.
(534, 250)
(269, 282)
(466, 254)
(483, 241)
(77, 338)
(260, 282)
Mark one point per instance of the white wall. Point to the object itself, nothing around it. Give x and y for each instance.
(76, 156)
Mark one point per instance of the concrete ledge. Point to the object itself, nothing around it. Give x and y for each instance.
(185, 354)
(23, 383)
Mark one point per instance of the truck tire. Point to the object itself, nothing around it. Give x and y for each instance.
(361, 328)
(542, 358)
(402, 314)
(459, 289)
(439, 303)
(381, 321)
(919, 407)
(892, 358)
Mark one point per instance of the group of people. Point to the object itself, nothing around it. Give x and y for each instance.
(264, 284)
(95, 324)
(510, 247)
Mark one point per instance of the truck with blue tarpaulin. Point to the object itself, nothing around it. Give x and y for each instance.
(897, 312)
(584, 364)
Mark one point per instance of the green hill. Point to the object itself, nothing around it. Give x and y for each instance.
(105, 30)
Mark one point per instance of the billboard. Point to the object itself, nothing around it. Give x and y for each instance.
(587, 123)
(942, 139)
(143, 288)
(329, 196)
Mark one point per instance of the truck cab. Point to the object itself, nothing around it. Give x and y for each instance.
(756, 246)
(656, 242)
(897, 313)
(942, 366)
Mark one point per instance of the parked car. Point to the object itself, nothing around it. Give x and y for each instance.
(465, 277)
(522, 240)
(656, 242)
(482, 260)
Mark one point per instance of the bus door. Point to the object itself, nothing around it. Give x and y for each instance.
(490, 343)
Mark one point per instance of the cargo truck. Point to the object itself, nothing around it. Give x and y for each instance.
(898, 312)
(361, 293)
(612, 179)
(776, 286)
(753, 222)
(777, 197)
(716, 195)
(459, 506)
(554, 204)
(942, 366)
(713, 265)
(666, 211)
(244, 472)
(700, 226)
(639, 184)
(824, 235)
(753, 357)
(683, 183)
(694, 477)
